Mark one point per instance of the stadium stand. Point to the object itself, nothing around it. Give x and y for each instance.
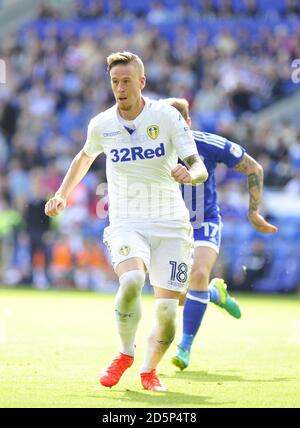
(231, 59)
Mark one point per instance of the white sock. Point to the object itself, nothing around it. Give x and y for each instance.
(162, 333)
(128, 308)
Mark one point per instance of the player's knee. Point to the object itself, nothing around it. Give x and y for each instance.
(166, 312)
(199, 278)
(131, 284)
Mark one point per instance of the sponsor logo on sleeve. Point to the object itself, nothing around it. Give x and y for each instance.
(236, 150)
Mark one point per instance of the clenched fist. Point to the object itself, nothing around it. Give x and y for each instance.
(55, 205)
(181, 174)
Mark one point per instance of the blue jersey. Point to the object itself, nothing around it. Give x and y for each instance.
(213, 149)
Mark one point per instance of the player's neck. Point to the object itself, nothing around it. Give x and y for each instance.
(134, 112)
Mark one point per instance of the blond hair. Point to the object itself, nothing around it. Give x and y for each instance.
(124, 58)
(181, 104)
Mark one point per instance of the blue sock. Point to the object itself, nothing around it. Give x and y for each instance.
(214, 295)
(193, 313)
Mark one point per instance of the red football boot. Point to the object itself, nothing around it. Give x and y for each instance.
(151, 382)
(113, 373)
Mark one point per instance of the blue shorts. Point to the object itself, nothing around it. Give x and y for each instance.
(209, 234)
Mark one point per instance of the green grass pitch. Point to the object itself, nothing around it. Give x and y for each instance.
(53, 345)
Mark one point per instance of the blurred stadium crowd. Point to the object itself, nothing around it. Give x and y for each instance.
(229, 58)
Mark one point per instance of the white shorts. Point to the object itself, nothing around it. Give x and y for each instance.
(166, 249)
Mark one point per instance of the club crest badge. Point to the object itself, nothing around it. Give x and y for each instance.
(153, 131)
(124, 250)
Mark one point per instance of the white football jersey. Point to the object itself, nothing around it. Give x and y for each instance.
(139, 161)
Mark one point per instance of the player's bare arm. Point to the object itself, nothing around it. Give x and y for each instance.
(255, 174)
(193, 173)
(77, 170)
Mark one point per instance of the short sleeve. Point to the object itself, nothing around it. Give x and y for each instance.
(232, 154)
(93, 145)
(181, 135)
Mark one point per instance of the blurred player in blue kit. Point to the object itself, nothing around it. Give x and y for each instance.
(214, 149)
